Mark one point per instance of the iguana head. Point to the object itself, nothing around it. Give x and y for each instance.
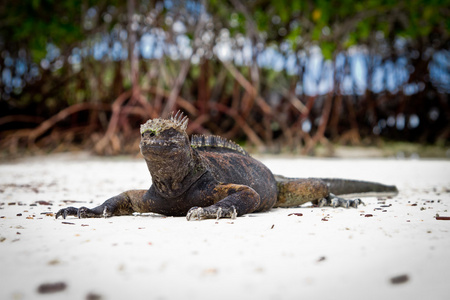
(167, 151)
(163, 137)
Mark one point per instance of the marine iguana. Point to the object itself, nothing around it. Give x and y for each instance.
(211, 177)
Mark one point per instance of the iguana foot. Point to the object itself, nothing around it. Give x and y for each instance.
(334, 201)
(81, 213)
(211, 212)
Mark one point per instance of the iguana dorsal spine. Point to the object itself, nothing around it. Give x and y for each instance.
(214, 141)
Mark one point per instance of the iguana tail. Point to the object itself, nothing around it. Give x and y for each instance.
(356, 188)
(296, 191)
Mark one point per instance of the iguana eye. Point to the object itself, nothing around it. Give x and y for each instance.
(148, 134)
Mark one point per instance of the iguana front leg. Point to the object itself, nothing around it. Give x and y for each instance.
(123, 204)
(231, 200)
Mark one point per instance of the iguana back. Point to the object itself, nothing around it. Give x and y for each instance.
(229, 163)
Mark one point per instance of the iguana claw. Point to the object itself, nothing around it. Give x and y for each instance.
(211, 212)
(335, 201)
(81, 213)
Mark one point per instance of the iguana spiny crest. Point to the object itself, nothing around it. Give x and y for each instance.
(178, 122)
(214, 141)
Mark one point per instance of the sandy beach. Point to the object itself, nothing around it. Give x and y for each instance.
(395, 248)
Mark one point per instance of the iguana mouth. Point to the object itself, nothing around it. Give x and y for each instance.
(158, 144)
(156, 147)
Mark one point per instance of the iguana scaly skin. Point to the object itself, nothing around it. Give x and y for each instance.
(210, 177)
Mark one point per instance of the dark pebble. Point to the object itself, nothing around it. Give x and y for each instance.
(399, 279)
(47, 288)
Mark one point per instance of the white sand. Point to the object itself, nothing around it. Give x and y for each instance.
(260, 256)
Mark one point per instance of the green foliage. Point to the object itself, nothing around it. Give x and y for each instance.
(334, 24)
(33, 27)
(33, 24)
(328, 50)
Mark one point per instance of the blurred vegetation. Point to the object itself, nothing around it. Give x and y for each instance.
(277, 75)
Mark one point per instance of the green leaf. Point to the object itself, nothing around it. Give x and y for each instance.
(35, 4)
(364, 29)
(328, 49)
